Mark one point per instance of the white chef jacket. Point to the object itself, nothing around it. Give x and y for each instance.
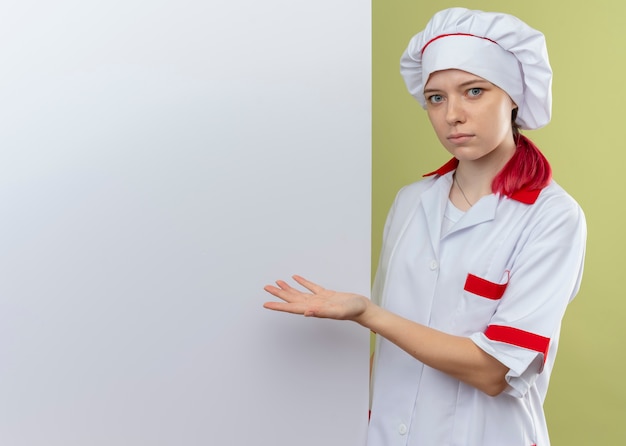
(503, 276)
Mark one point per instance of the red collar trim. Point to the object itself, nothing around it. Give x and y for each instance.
(447, 167)
(525, 196)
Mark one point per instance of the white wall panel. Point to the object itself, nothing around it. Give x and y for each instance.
(161, 161)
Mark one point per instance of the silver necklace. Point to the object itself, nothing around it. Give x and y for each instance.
(461, 189)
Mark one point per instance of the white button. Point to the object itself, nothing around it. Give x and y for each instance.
(402, 429)
(433, 265)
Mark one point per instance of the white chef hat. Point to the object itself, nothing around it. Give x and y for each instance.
(497, 47)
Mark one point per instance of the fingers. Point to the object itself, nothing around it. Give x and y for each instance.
(318, 304)
(283, 289)
(312, 287)
(283, 285)
(286, 307)
(295, 301)
(286, 292)
(278, 292)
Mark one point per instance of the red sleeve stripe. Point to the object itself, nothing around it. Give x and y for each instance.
(478, 285)
(521, 338)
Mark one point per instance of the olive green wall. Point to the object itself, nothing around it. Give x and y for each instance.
(586, 145)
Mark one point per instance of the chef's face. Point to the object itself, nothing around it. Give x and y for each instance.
(470, 115)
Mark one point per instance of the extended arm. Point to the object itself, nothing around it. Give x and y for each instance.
(454, 355)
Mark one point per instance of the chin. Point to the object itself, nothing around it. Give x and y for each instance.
(465, 154)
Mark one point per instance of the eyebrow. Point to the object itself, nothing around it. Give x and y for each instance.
(462, 84)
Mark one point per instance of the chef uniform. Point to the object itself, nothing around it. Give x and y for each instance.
(501, 274)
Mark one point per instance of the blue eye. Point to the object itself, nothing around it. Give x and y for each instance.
(474, 91)
(435, 99)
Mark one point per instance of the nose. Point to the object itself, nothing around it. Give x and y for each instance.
(455, 113)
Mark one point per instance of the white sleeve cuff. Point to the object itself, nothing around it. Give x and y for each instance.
(524, 365)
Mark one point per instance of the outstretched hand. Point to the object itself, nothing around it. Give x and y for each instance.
(319, 302)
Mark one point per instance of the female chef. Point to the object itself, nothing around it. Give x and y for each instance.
(479, 260)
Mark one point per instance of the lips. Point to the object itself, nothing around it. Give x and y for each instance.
(459, 138)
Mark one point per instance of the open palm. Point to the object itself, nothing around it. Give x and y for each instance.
(319, 302)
